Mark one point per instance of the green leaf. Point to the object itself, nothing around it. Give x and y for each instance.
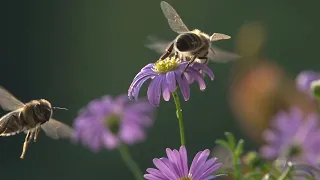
(231, 140)
(239, 149)
(253, 175)
(223, 143)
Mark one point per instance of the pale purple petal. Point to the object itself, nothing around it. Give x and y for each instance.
(205, 69)
(171, 81)
(155, 172)
(135, 88)
(194, 161)
(198, 170)
(210, 170)
(184, 86)
(184, 159)
(304, 80)
(148, 66)
(167, 172)
(153, 177)
(154, 91)
(165, 91)
(198, 77)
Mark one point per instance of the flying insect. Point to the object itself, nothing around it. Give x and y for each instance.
(30, 118)
(190, 45)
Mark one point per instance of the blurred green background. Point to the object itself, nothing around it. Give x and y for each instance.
(71, 52)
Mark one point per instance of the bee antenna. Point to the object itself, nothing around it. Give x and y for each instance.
(59, 108)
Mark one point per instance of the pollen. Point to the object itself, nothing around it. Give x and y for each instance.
(186, 178)
(166, 65)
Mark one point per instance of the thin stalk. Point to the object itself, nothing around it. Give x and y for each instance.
(132, 165)
(179, 116)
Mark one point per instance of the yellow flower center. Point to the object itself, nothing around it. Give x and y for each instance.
(113, 123)
(166, 65)
(186, 178)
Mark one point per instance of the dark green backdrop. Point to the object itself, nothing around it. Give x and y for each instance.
(70, 52)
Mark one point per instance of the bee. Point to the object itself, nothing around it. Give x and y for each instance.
(30, 118)
(189, 45)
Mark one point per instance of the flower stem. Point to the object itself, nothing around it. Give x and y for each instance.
(132, 165)
(179, 116)
(236, 166)
(286, 173)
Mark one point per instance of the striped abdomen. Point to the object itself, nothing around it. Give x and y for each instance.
(188, 42)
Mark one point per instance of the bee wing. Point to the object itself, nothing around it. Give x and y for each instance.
(174, 20)
(157, 44)
(9, 123)
(218, 36)
(221, 56)
(56, 129)
(8, 102)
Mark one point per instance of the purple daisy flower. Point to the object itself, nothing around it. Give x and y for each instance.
(175, 167)
(304, 80)
(293, 138)
(108, 122)
(165, 75)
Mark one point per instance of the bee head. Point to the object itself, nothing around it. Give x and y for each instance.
(43, 110)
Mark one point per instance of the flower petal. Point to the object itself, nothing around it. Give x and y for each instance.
(200, 162)
(153, 177)
(171, 81)
(155, 173)
(184, 159)
(198, 77)
(205, 69)
(210, 170)
(184, 86)
(165, 91)
(134, 92)
(166, 171)
(154, 91)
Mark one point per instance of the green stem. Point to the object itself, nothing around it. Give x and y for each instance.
(286, 173)
(179, 116)
(236, 167)
(132, 165)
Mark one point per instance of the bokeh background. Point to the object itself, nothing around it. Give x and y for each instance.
(71, 52)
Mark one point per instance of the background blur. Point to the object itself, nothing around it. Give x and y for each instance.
(71, 52)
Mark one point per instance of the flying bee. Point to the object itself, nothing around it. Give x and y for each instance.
(189, 45)
(30, 118)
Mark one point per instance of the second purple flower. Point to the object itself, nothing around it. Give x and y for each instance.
(109, 122)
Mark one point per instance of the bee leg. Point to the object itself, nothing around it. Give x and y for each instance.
(204, 58)
(36, 134)
(191, 61)
(176, 55)
(25, 144)
(205, 63)
(168, 51)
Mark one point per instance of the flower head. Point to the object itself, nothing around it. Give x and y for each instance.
(294, 138)
(305, 79)
(175, 167)
(165, 74)
(108, 122)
